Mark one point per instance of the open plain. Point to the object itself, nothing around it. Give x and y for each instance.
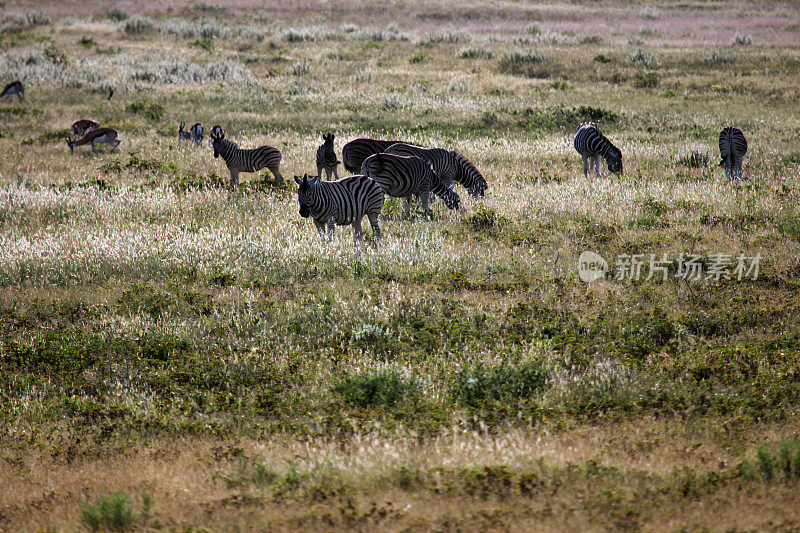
(176, 356)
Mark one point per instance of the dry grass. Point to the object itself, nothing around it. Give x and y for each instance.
(160, 334)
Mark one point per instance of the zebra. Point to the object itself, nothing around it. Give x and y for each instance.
(15, 87)
(732, 149)
(326, 157)
(341, 202)
(239, 160)
(449, 166)
(403, 176)
(592, 144)
(195, 133)
(356, 151)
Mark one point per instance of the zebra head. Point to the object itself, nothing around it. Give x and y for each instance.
(328, 138)
(615, 161)
(305, 193)
(217, 136)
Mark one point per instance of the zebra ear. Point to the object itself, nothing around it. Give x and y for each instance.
(297, 180)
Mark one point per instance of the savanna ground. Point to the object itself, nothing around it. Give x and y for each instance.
(177, 357)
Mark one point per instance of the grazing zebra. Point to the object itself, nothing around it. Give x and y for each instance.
(99, 135)
(239, 160)
(195, 133)
(80, 127)
(15, 87)
(732, 148)
(592, 144)
(403, 176)
(341, 202)
(326, 157)
(449, 166)
(356, 151)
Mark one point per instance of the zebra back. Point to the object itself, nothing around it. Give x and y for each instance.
(246, 160)
(440, 159)
(589, 141)
(732, 149)
(344, 200)
(403, 176)
(356, 151)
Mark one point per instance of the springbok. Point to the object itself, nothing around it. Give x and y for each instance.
(15, 87)
(195, 133)
(80, 127)
(99, 135)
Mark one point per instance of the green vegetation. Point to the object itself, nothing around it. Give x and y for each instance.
(162, 335)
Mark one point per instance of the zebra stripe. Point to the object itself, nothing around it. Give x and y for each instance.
(341, 202)
(326, 157)
(356, 151)
(732, 149)
(15, 87)
(402, 177)
(592, 144)
(241, 160)
(449, 166)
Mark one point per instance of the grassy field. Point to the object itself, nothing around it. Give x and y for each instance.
(175, 356)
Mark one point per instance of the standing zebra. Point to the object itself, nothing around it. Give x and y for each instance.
(449, 166)
(356, 151)
(326, 157)
(239, 160)
(402, 177)
(732, 148)
(15, 87)
(592, 144)
(342, 202)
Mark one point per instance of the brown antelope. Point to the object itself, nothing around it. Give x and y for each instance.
(15, 87)
(80, 127)
(195, 133)
(99, 135)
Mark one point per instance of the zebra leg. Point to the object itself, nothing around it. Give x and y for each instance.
(585, 165)
(319, 171)
(596, 159)
(277, 173)
(423, 198)
(93, 149)
(376, 231)
(738, 168)
(331, 227)
(320, 229)
(234, 177)
(407, 206)
(335, 173)
(358, 231)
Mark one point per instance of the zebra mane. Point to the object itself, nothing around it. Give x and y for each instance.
(465, 166)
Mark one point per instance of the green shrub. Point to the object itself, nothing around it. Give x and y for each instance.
(151, 110)
(111, 512)
(642, 58)
(475, 52)
(646, 80)
(719, 57)
(693, 156)
(116, 15)
(205, 43)
(742, 39)
(602, 58)
(529, 64)
(137, 25)
(373, 389)
(480, 384)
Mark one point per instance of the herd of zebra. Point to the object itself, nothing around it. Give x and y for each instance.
(380, 167)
